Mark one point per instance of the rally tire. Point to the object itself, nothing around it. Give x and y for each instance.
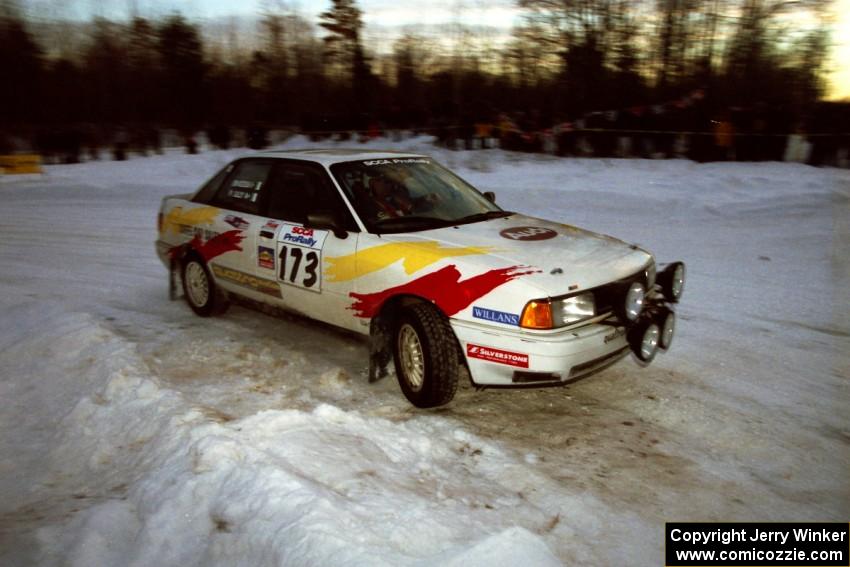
(202, 294)
(426, 356)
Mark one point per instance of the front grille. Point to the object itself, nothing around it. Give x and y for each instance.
(597, 364)
(521, 376)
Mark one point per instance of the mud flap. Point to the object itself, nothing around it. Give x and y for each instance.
(380, 353)
(173, 278)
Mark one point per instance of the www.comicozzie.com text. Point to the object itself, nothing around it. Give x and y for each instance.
(756, 534)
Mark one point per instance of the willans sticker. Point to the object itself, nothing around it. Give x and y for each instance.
(495, 316)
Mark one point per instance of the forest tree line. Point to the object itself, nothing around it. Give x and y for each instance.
(561, 61)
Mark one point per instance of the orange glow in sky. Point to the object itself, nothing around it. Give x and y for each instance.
(839, 63)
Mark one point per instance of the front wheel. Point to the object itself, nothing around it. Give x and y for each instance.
(426, 360)
(202, 295)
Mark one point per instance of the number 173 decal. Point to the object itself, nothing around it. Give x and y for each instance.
(299, 266)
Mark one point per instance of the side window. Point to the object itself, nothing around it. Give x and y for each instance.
(297, 190)
(205, 193)
(241, 191)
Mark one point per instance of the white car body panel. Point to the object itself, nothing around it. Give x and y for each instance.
(481, 275)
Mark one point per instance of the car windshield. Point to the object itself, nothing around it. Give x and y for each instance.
(410, 194)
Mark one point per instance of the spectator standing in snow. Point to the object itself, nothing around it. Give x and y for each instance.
(723, 137)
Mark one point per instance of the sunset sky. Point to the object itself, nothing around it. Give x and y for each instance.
(388, 14)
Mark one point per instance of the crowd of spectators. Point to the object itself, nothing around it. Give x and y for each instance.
(756, 134)
(691, 130)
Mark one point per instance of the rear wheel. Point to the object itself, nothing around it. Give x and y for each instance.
(426, 359)
(202, 295)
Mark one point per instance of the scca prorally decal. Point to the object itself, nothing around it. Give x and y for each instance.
(178, 217)
(262, 285)
(489, 354)
(495, 316)
(301, 236)
(528, 233)
(237, 222)
(416, 255)
(265, 257)
(443, 287)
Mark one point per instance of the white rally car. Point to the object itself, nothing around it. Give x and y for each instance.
(395, 246)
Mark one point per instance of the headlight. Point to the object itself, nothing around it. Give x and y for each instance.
(672, 280)
(633, 304)
(573, 309)
(550, 314)
(666, 320)
(644, 338)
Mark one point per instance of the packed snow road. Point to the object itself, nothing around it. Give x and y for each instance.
(135, 433)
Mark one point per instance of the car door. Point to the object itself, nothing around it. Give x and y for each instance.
(296, 255)
(230, 247)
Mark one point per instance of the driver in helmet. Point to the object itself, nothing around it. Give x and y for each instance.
(390, 198)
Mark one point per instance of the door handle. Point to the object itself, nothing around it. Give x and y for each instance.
(266, 234)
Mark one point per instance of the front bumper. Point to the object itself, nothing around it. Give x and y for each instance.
(519, 357)
(497, 357)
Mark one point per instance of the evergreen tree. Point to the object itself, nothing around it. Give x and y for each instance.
(344, 50)
(183, 72)
(21, 62)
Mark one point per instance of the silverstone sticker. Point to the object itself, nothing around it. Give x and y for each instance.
(495, 316)
(528, 233)
(265, 257)
(496, 355)
(301, 236)
(236, 222)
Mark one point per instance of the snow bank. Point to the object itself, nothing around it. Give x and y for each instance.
(136, 433)
(173, 484)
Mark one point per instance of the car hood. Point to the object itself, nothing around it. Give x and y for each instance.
(564, 258)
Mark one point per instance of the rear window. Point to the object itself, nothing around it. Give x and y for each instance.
(241, 190)
(206, 193)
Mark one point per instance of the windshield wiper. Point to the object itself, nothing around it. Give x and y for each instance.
(477, 217)
(410, 222)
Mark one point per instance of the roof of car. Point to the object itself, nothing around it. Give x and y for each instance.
(338, 155)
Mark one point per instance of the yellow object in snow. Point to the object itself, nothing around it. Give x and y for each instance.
(18, 164)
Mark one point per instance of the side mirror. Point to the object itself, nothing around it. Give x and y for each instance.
(490, 196)
(326, 220)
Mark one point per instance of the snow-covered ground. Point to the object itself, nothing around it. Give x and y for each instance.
(135, 433)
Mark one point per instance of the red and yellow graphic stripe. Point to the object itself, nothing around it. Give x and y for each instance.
(414, 257)
(443, 287)
(178, 217)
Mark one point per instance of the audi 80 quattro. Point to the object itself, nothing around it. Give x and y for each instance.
(394, 246)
